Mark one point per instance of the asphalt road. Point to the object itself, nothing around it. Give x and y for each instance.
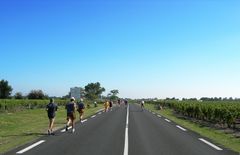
(104, 134)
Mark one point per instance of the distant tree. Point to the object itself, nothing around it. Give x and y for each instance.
(192, 99)
(37, 94)
(173, 98)
(93, 91)
(82, 92)
(113, 94)
(5, 89)
(66, 96)
(18, 95)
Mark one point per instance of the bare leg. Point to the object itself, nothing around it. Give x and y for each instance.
(52, 122)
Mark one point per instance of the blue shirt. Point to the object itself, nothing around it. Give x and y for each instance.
(51, 108)
(70, 107)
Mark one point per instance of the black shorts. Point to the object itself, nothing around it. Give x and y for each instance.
(72, 115)
(51, 116)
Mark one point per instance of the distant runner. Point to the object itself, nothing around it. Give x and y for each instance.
(142, 105)
(71, 116)
(81, 108)
(126, 103)
(106, 106)
(51, 109)
(110, 105)
(95, 104)
(119, 102)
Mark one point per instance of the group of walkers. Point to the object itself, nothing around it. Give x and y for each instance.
(71, 109)
(109, 104)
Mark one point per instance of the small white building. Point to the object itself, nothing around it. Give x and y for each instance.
(75, 92)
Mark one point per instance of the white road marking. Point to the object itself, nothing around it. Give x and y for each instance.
(210, 144)
(30, 147)
(125, 152)
(84, 121)
(159, 115)
(153, 113)
(167, 120)
(93, 116)
(64, 130)
(100, 113)
(181, 128)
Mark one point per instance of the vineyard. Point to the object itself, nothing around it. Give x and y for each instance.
(14, 105)
(224, 113)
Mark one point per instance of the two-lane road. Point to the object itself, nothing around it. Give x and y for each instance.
(104, 134)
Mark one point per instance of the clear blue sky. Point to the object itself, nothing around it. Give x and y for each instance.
(143, 48)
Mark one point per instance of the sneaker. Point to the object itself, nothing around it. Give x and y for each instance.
(49, 133)
(73, 130)
(66, 128)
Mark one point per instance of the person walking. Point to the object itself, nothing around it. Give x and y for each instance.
(51, 109)
(126, 103)
(95, 104)
(119, 102)
(110, 105)
(81, 108)
(71, 115)
(142, 105)
(106, 106)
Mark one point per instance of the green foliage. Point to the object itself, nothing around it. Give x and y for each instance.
(37, 94)
(93, 91)
(5, 89)
(113, 94)
(18, 95)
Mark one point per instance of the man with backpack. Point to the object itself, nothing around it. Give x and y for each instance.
(51, 109)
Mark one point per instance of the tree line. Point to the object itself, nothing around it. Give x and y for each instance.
(91, 91)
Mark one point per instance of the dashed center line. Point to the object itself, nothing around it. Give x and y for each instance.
(93, 116)
(210, 144)
(181, 128)
(167, 120)
(125, 152)
(30, 147)
(99, 113)
(159, 115)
